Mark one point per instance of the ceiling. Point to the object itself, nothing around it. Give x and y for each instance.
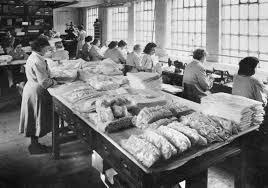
(49, 3)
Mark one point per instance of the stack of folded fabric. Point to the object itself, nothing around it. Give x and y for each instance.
(243, 111)
(145, 80)
(5, 59)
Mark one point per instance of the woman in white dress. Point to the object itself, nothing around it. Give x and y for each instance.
(81, 39)
(147, 62)
(95, 52)
(36, 107)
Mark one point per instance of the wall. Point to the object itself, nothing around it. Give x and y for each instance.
(64, 15)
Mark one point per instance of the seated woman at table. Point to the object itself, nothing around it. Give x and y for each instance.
(147, 62)
(18, 53)
(195, 81)
(95, 52)
(36, 106)
(245, 84)
(60, 53)
(114, 53)
(85, 55)
(134, 59)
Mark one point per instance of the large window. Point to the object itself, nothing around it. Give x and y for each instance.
(144, 22)
(92, 15)
(244, 30)
(120, 23)
(188, 26)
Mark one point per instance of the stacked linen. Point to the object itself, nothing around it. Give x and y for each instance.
(243, 111)
(145, 80)
(5, 59)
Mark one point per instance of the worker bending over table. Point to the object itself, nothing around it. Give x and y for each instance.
(36, 108)
(95, 52)
(133, 62)
(17, 53)
(60, 53)
(85, 55)
(196, 83)
(115, 53)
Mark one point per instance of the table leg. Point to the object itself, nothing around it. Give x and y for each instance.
(198, 181)
(55, 136)
(240, 178)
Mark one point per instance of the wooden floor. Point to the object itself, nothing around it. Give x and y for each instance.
(19, 169)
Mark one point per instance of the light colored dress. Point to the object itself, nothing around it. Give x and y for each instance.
(134, 61)
(147, 63)
(36, 107)
(195, 74)
(85, 55)
(250, 87)
(95, 53)
(60, 54)
(80, 40)
(116, 55)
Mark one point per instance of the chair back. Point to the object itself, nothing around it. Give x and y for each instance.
(193, 92)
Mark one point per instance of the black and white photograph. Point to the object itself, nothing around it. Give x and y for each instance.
(133, 93)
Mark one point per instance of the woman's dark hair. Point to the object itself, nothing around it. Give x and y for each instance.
(17, 42)
(247, 66)
(95, 41)
(39, 44)
(88, 38)
(198, 54)
(112, 44)
(148, 48)
(122, 43)
(80, 27)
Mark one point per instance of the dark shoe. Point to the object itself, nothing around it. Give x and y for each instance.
(36, 149)
(48, 148)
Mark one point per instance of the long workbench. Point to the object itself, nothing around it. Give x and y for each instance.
(191, 166)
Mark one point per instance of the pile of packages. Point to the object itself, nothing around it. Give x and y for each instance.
(145, 80)
(5, 59)
(64, 71)
(243, 111)
(173, 129)
(108, 67)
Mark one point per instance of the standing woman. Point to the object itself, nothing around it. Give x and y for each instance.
(147, 62)
(36, 107)
(81, 39)
(95, 51)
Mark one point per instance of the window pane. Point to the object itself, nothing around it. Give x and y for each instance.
(190, 32)
(145, 23)
(119, 23)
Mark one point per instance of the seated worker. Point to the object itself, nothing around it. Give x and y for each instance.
(18, 53)
(86, 48)
(60, 53)
(95, 52)
(195, 80)
(114, 53)
(122, 46)
(147, 61)
(245, 84)
(134, 59)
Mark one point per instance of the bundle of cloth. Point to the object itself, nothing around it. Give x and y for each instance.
(5, 59)
(243, 111)
(145, 80)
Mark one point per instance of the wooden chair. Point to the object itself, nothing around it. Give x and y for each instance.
(193, 92)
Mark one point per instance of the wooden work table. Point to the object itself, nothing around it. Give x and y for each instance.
(191, 166)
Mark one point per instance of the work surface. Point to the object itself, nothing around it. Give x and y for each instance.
(13, 63)
(116, 138)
